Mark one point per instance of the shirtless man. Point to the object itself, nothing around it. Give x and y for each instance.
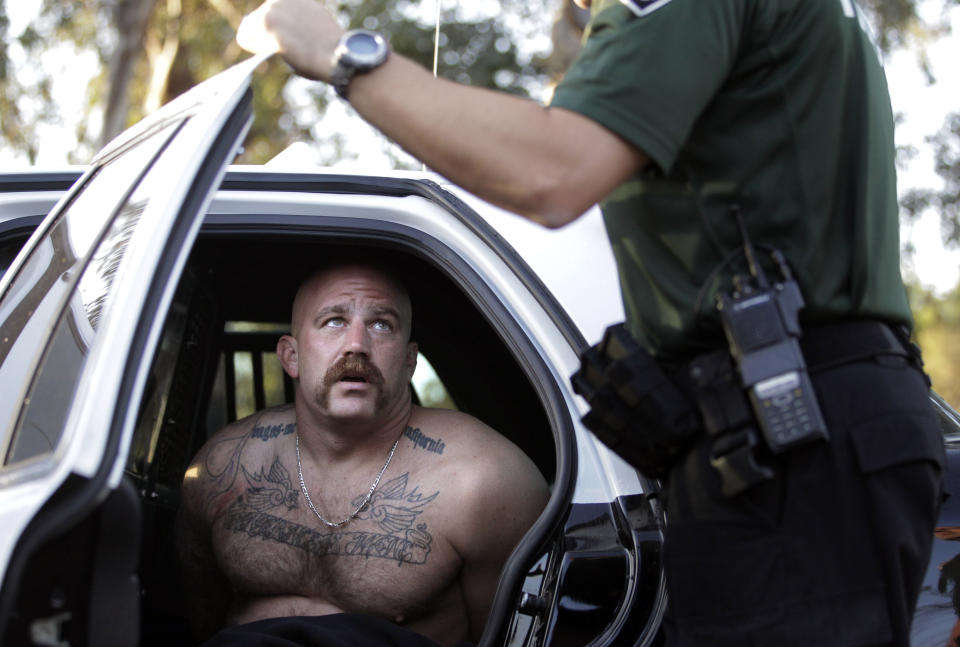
(353, 500)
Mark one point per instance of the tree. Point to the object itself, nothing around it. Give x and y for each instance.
(938, 333)
(897, 25)
(17, 129)
(900, 25)
(150, 51)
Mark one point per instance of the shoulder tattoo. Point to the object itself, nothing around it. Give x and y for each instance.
(269, 432)
(419, 439)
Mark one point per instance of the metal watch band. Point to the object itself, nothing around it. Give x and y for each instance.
(359, 51)
(340, 80)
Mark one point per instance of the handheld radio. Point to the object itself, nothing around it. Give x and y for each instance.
(761, 324)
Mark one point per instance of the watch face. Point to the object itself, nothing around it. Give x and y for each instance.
(362, 44)
(365, 49)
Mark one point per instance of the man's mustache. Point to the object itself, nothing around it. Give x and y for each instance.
(353, 366)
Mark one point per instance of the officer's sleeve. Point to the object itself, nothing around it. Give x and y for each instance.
(648, 77)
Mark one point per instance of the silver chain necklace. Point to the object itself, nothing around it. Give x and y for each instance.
(366, 499)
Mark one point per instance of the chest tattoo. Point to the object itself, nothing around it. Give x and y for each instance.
(272, 489)
(400, 536)
(419, 439)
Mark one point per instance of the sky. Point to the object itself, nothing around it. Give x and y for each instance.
(924, 108)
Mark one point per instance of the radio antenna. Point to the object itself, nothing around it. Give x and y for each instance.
(436, 55)
(755, 269)
(436, 40)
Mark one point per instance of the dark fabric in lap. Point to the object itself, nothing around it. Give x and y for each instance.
(336, 630)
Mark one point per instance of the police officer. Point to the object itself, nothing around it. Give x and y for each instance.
(707, 129)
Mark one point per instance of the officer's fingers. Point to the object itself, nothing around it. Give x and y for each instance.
(303, 31)
(254, 35)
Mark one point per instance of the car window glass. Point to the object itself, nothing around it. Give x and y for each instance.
(261, 371)
(65, 286)
(8, 251)
(429, 387)
(170, 407)
(250, 364)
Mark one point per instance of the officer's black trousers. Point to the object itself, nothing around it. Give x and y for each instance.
(833, 550)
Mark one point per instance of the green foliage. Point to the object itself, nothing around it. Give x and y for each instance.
(947, 157)
(13, 129)
(4, 29)
(895, 20)
(899, 25)
(937, 322)
(945, 199)
(480, 51)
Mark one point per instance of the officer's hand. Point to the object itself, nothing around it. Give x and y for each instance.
(304, 32)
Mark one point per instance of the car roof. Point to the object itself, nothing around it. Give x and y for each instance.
(574, 262)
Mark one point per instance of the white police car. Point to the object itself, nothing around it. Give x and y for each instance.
(141, 314)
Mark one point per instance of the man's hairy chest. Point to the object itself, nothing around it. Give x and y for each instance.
(392, 559)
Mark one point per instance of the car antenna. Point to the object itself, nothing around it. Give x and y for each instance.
(436, 54)
(436, 40)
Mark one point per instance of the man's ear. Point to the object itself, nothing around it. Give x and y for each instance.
(287, 353)
(412, 351)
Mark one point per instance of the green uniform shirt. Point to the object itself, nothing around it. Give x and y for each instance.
(780, 106)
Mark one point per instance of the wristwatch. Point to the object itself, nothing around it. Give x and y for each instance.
(358, 52)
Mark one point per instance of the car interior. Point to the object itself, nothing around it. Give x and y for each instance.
(216, 363)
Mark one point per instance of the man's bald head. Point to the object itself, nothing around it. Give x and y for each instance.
(322, 279)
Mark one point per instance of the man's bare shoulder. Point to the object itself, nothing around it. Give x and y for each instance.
(444, 431)
(475, 450)
(215, 466)
(498, 489)
(265, 424)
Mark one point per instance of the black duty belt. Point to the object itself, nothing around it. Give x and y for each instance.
(827, 345)
(728, 417)
(646, 411)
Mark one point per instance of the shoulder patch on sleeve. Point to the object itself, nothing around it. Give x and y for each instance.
(644, 7)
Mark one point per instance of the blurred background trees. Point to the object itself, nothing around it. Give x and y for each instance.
(149, 51)
(938, 333)
(131, 56)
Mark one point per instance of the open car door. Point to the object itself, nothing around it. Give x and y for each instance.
(81, 310)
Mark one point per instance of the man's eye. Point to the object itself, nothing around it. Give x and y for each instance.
(336, 322)
(384, 326)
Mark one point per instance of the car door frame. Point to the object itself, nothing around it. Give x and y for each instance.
(214, 117)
